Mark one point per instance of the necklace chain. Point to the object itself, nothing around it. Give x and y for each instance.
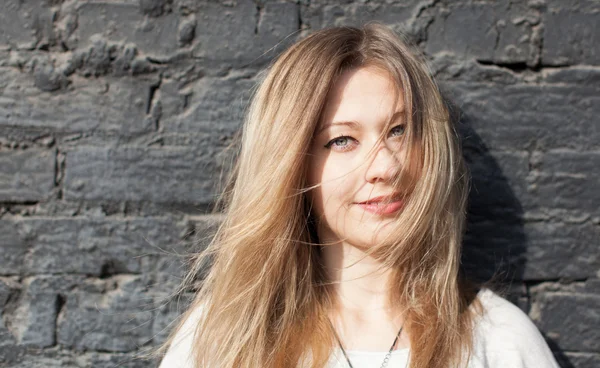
(387, 356)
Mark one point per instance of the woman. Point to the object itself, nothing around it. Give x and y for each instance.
(340, 245)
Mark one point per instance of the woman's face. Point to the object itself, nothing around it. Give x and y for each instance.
(353, 167)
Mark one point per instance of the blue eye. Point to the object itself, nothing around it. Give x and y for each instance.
(398, 130)
(342, 142)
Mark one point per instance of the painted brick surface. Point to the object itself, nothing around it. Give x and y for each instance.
(114, 122)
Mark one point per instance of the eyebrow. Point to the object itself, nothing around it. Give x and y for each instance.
(353, 124)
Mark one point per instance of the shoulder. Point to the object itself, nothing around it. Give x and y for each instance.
(502, 319)
(179, 354)
(506, 336)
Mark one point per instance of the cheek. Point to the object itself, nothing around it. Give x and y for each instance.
(335, 184)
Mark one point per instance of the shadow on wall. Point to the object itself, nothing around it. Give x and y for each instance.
(495, 243)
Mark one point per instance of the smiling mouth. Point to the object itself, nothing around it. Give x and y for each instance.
(382, 205)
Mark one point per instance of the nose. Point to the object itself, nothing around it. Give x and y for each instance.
(384, 165)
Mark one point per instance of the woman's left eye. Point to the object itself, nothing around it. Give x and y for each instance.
(398, 130)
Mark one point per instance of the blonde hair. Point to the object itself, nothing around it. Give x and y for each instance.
(264, 300)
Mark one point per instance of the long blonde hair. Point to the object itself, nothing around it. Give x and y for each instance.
(264, 300)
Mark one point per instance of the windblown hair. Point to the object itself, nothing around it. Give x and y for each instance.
(265, 298)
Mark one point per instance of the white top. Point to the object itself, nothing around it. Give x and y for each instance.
(504, 337)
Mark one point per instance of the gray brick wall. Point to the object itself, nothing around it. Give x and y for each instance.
(114, 117)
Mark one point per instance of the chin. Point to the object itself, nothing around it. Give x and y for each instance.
(371, 233)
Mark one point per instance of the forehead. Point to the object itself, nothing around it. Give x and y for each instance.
(362, 93)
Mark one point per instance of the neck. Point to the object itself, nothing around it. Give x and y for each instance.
(359, 282)
(362, 315)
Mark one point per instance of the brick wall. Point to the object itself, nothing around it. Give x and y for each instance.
(114, 116)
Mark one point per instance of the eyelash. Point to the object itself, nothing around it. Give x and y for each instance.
(330, 143)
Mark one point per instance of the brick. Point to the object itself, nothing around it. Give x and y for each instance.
(582, 75)
(26, 175)
(35, 317)
(592, 285)
(565, 177)
(571, 37)
(277, 22)
(95, 246)
(321, 15)
(234, 24)
(247, 40)
(47, 78)
(9, 289)
(155, 8)
(494, 249)
(485, 31)
(498, 181)
(53, 358)
(20, 357)
(25, 24)
(104, 360)
(579, 360)
(169, 175)
(584, 6)
(187, 31)
(112, 315)
(209, 105)
(448, 67)
(503, 189)
(570, 320)
(495, 238)
(125, 22)
(13, 247)
(38, 328)
(531, 251)
(170, 269)
(104, 57)
(7, 341)
(522, 116)
(108, 105)
(4, 57)
(558, 250)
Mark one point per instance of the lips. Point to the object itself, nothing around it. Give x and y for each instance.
(383, 198)
(383, 205)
